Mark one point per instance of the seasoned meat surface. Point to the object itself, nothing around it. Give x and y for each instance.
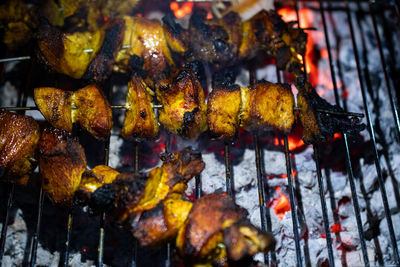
(56, 106)
(223, 107)
(62, 162)
(140, 119)
(267, 105)
(184, 108)
(19, 136)
(93, 112)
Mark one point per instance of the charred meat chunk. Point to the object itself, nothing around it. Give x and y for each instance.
(267, 105)
(19, 21)
(95, 178)
(140, 119)
(267, 31)
(199, 238)
(162, 222)
(144, 38)
(19, 136)
(136, 193)
(93, 111)
(320, 125)
(62, 162)
(66, 53)
(101, 65)
(223, 107)
(242, 240)
(55, 106)
(87, 106)
(209, 40)
(184, 108)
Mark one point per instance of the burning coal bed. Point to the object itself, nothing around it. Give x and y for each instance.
(345, 238)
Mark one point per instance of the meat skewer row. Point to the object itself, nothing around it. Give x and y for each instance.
(183, 110)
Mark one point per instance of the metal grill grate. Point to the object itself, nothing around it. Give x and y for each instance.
(325, 7)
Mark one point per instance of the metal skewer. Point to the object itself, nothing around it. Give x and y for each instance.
(354, 114)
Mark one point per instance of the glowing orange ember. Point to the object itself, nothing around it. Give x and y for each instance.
(313, 55)
(281, 205)
(181, 11)
(337, 136)
(295, 142)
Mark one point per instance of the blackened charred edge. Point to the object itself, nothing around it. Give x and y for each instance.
(329, 124)
(154, 212)
(232, 18)
(182, 75)
(135, 64)
(197, 20)
(52, 36)
(101, 66)
(283, 56)
(103, 198)
(197, 68)
(189, 117)
(175, 28)
(225, 78)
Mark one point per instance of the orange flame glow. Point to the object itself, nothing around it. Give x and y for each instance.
(312, 56)
(281, 205)
(181, 11)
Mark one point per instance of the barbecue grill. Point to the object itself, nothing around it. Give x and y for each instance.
(380, 13)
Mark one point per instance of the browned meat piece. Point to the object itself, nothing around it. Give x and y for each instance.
(56, 106)
(223, 107)
(146, 46)
(18, 21)
(177, 37)
(19, 136)
(317, 125)
(101, 65)
(95, 178)
(132, 194)
(242, 239)
(202, 231)
(267, 105)
(65, 52)
(162, 222)
(93, 111)
(268, 32)
(62, 162)
(184, 108)
(140, 119)
(88, 106)
(212, 42)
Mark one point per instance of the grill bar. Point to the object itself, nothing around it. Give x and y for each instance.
(393, 102)
(324, 207)
(345, 141)
(5, 221)
(103, 214)
(228, 173)
(265, 225)
(292, 203)
(372, 135)
(68, 238)
(35, 237)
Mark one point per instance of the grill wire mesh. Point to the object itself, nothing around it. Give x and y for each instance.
(352, 10)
